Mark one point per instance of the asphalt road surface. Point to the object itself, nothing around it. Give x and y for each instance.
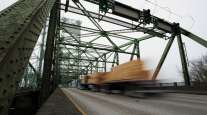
(95, 103)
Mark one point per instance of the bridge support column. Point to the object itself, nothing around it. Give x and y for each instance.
(105, 63)
(48, 72)
(133, 51)
(183, 60)
(138, 50)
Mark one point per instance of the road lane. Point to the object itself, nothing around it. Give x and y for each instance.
(95, 103)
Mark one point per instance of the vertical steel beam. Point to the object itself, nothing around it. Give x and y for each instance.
(117, 58)
(183, 60)
(97, 63)
(133, 51)
(164, 55)
(46, 88)
(105, 63)
(91, 67)
(56, 73)
(114, 60)
(138, 50)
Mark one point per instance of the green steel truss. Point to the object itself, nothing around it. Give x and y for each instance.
(143, 22)
(68, 54)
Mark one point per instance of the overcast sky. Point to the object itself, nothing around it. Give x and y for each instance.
(190, 13)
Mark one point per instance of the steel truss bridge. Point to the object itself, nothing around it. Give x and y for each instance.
(67, 55)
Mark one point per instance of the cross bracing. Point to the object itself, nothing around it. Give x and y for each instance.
(70, 54)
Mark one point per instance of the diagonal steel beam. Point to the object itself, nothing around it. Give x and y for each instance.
(164, 55)
(158, 22)
(78, 4)
(78, 41)
(194, 37)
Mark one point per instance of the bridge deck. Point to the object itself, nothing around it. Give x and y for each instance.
(95, 103)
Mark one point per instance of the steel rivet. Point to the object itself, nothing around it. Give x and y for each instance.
(12, 86)
(4, 91)
(2, 48)
(7, 42)
(8, 76)
(14, 72)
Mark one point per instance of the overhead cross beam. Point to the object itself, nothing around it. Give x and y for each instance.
(95, 32)
(145, 18)
(99, 48)
(78, 4)
(115, 21)
(131, 13)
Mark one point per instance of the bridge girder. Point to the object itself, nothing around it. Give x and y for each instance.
(21, 24)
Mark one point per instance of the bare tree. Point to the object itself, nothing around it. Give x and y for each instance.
(198, 70)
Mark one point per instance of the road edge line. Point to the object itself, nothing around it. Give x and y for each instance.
(73, 101)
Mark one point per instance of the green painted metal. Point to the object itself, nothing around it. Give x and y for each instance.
(49, 79)
(159, 29)
(29, 80)
(69, 57)
(183, 61)
(164, 55)
(78, 4)
(133, 50)
(20, 26)
(103, 6)
(194, 37)
(138, 49)
(99, 48)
